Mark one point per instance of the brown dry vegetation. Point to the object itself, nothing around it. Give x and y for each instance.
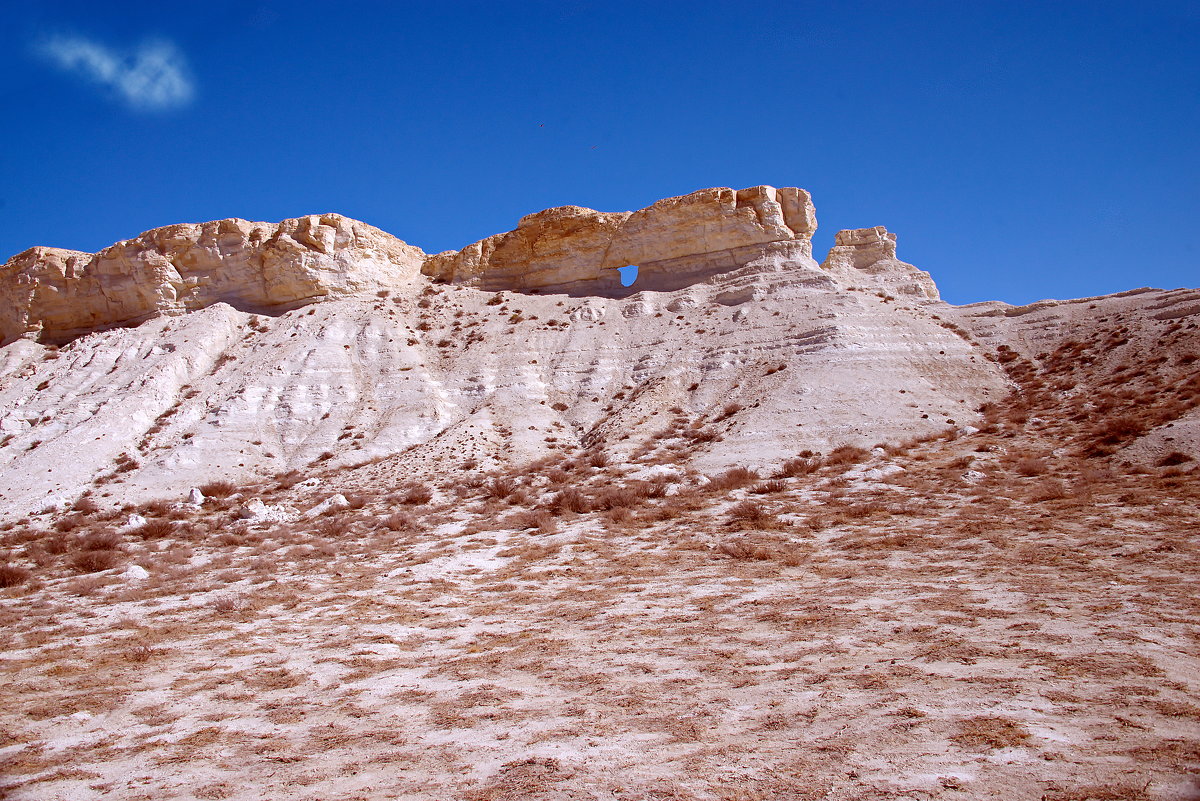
(566, 631)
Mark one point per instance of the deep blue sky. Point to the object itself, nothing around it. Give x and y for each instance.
(1021, 150)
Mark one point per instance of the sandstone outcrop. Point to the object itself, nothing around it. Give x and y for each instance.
(674, 242)
(868, 256)
(55, 295)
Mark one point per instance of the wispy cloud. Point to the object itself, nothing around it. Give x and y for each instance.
(153, 77)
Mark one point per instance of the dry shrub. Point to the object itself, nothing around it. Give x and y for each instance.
(800, 466)
(1112, 433)
(614, 497)
(13, 575)
(762, 549)
(733, 478)
(356, 501)
(730, 410)
(1049, 489)
(103, 540)
(335, 527)
(56, 545)
(702, 435)
(500, 488)
(155, 508)
(1031, 466)
(556, 476)
(417, 495)
(620, 514)
(745, 549)
(69, 523)
(539, 519)
(400, 521)
(218, 489)
(770, 487)
(990, 732)
(154, 529)
(233, 602)
(570, 500)
(86, 506)
(846, 455)
(288, 480)
(597, 459)
(748, 513)
(95, 561)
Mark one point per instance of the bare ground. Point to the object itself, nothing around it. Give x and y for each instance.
(925, 633)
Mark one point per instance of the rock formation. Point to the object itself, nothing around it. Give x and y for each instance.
(56, 295)
(868, 255)
(674, 242)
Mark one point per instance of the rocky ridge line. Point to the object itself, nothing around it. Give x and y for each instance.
(55, 295)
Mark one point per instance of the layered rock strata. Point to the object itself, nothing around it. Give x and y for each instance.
(55, 295)
(674, 242)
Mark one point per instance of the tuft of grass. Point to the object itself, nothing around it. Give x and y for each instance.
(751, 514)
(86, 505)
(990, 732)
(846, 455)
(400, 521)
(500, 488)
(13, 575)
(102, 540)
(570, 500)
(733, 478)
(770, 487)
(417, 495)
(800, 466)
(539, 519)
(218, 489)
(1031, 466)
(95, 561)
(154, 529)
(288, 480)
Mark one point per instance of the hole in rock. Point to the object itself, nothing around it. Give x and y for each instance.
(628, 274)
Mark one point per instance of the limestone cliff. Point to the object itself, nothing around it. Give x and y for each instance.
(674, 242)
(55, 295)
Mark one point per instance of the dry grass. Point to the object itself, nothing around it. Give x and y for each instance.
(748, 514)
(733, 478)
(990, 732)
(13, 575)
(666, 647)
(218, 489)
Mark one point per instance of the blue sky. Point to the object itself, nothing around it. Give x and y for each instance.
(1020, 150)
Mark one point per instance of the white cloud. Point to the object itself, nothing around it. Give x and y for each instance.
(152, 77)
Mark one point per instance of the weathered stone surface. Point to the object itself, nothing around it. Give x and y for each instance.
(867, 257)
(674, 242)
(56, 295)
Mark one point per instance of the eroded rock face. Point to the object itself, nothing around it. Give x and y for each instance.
(56, 295)
(867, 256)
(674, 242)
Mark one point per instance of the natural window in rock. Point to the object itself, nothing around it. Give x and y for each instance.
(628, 274)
